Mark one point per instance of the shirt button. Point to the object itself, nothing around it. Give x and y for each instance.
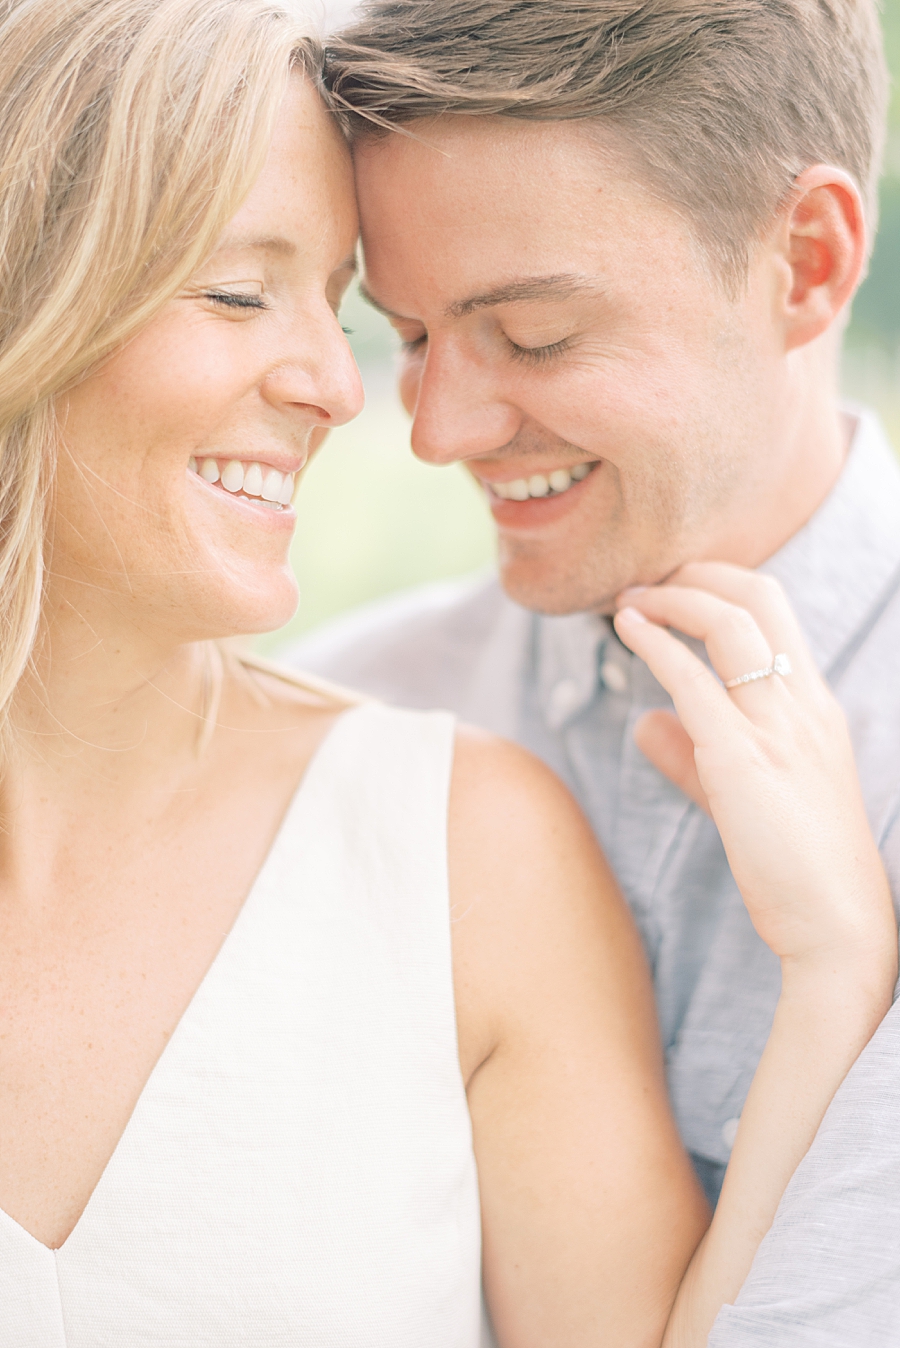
(564, 698)
(613, 676)
(729, 1132)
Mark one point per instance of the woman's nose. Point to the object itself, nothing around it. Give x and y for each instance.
(319, 375)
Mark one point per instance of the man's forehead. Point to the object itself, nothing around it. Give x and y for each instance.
(509, 233)
(486, 157)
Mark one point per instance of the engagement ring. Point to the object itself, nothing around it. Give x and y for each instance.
(780, 665)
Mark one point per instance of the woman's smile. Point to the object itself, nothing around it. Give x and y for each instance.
(251, 481)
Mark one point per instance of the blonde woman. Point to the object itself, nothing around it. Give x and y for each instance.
(259, 1058)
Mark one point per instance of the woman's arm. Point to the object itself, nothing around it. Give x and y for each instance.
(590, 1207)
(771, 760)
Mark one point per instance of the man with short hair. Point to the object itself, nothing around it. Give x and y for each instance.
(619, 243)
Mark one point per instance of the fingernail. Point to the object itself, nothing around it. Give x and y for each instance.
(631, 615)
(631, 593)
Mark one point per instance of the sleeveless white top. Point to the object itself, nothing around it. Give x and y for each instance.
(298, 1171)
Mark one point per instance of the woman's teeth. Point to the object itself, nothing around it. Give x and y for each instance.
(265, 485)
(553, 484)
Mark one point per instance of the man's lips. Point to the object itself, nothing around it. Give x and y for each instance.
(538, 499)
(537, 486)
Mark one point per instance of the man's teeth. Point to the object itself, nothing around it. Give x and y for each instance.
(525, 488)
(273, 489)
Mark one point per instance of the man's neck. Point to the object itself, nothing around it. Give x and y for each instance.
(811, 436)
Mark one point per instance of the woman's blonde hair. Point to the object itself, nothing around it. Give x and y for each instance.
(130, 132)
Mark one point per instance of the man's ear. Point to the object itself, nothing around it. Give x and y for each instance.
(821, 239)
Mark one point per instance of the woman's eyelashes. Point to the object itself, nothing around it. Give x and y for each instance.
(236, 299)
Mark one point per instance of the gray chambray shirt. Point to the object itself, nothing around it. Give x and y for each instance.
(568, 690)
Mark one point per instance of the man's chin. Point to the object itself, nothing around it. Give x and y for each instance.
(544, 589)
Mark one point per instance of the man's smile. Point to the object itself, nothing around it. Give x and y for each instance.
(552, 483)
(538, 499)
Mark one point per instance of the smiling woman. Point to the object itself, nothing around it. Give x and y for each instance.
(255, 1087)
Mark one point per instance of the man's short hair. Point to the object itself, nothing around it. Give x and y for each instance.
(719, 104)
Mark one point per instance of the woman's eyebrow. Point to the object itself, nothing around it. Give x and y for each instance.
(276, 245)
(264, 243)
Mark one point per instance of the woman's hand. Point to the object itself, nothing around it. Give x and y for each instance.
(770, 759)
(772, 762)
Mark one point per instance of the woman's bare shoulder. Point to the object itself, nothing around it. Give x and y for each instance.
(511, 817)
(489, 769)
(533, 900)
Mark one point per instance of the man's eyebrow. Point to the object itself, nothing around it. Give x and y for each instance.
(562, 286)
(370, 299)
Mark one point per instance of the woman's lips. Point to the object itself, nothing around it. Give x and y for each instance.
(268, 514)
(252, 479)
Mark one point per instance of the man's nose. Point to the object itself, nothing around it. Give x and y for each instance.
(459, 411)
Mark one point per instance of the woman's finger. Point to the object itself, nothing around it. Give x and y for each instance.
(732, 637)
(760, 595)
(704, 707)
(662, 739)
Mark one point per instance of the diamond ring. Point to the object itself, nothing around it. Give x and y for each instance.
(780, 665)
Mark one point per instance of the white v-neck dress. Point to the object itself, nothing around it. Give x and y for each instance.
(298, 1171)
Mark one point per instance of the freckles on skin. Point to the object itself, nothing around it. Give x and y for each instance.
(139, 423)
(179, 412)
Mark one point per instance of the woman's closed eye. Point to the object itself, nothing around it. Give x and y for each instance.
(236, 299)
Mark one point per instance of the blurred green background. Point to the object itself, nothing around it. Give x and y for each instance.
(373, 519)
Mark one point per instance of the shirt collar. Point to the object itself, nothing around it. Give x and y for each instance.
(835, 570)
(839, 567)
